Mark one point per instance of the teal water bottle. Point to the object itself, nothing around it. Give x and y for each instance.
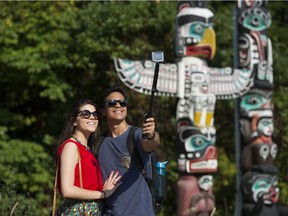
(160, 181)
(160, 167)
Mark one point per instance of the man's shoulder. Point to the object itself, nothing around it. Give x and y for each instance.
(135, 129)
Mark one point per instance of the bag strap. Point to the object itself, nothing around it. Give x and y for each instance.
(56, 178)
(80, 176)
(131, 144)
(55, 189)
(131, 140)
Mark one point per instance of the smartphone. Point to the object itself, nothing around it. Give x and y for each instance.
(157, 56)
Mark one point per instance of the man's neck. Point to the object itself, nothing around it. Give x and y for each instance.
(118, 129)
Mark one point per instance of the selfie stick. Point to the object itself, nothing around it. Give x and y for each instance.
(157, 57)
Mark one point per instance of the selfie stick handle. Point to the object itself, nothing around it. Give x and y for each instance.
(154, 87)
(153, 91)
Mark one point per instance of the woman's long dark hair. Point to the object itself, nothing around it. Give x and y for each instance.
(69, 129)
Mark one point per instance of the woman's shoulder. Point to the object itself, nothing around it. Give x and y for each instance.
(68, 144)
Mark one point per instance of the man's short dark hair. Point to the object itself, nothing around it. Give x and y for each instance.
(111, 90)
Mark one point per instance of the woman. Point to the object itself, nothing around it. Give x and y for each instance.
(80, 132)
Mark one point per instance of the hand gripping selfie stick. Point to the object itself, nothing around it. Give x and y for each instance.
(157, 57)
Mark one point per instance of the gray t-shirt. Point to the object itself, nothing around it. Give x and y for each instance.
(132, 197)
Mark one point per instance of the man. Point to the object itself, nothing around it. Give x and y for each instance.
(133, 197)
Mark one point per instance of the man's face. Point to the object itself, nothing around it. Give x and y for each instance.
(115, 107)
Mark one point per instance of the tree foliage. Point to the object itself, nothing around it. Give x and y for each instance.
(52, 53)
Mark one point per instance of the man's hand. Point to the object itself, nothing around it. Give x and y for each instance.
(152, 141)
(148, 128)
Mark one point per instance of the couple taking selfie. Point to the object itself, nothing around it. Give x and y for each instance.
(103, 180)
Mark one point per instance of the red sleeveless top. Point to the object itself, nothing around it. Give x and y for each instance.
(91, 171)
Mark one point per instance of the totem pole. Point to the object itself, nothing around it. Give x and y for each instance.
(258, 149)
(197, 86)
(197, 158)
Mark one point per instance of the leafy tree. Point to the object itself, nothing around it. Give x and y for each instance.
(25, 170)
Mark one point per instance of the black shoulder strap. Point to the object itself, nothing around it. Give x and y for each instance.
(133, 151)
(131, 140)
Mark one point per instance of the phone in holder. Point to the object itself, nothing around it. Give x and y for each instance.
(157, 56)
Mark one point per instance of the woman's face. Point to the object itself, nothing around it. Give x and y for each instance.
(87, 119)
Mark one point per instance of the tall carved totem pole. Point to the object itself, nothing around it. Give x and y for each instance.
(198, 86)
(258, 148)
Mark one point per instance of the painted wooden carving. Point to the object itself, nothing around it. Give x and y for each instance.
(259, 182)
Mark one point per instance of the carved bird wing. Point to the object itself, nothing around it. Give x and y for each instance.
(226, 83)
(138, 75)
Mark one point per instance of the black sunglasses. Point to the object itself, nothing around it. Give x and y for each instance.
(112, 103)
(86, 114)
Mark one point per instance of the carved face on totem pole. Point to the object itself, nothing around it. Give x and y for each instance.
(256, 102)
(265, 127)
(194, 33)
(258, 129)
(260, 186)
(197, 151)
